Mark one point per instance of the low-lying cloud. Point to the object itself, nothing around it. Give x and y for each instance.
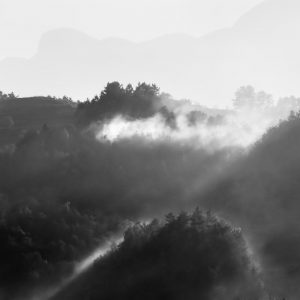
(240, 129)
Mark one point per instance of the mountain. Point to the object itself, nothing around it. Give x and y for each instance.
(260, 49)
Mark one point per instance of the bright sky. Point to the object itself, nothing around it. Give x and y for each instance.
(23, 22)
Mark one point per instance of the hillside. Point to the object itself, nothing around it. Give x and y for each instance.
(194, 256)
(261, 193)
(22, 114)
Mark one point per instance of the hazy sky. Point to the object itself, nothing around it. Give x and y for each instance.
(23, 22)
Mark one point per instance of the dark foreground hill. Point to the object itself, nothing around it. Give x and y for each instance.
(189, 257)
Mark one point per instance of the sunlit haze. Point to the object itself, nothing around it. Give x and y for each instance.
(198, 50)
(149, 149)
(23, 22)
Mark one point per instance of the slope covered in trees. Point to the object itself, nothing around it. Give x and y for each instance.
(62, 192)
(261, 192)
(189, 256)
(18, 115)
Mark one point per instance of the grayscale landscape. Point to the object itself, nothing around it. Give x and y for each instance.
(149, 150)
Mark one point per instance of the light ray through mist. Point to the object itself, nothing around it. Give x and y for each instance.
(80, 268)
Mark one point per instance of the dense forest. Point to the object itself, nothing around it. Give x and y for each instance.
(188, 256)
(74, 174)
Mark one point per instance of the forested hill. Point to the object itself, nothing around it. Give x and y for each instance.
(261, 193)
(21, 114)
(189, 256)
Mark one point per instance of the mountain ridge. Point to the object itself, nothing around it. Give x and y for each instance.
(261, 52)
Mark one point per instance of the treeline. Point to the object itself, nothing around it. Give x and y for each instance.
(248, 99)
(142, 102)
(9, 96)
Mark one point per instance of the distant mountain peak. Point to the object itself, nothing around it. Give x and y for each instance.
(270, 14)
(63, 37)
(64, 41)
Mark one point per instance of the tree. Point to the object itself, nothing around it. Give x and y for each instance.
(247, 98)
(244, 97)
(4, 96)
(112, 90)
(147, 90)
